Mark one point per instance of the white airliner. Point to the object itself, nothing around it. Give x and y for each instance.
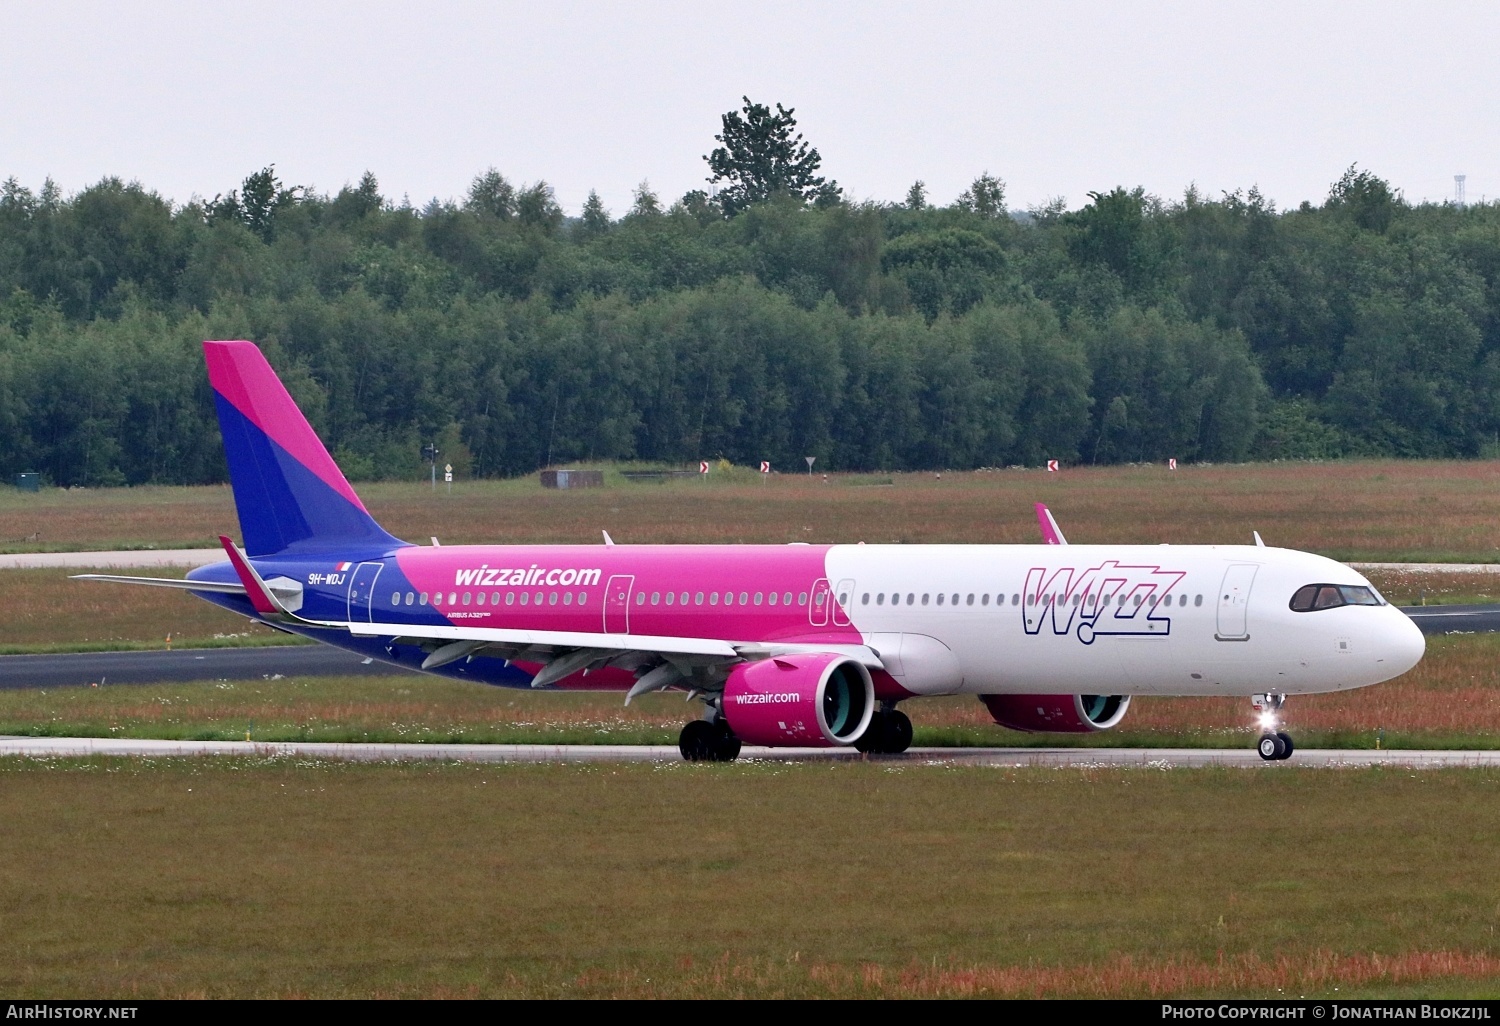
(789, 645)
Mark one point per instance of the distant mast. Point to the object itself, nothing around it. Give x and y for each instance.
(1458, 192)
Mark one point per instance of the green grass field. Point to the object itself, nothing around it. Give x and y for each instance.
(182, 878)
(219, 878)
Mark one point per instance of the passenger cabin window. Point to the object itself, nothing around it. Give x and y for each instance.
(1312, 597)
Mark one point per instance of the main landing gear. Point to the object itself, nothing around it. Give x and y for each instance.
(708, 741)
(889, 732)
(1274, 744)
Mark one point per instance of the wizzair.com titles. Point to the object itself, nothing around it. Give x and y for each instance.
(486, 576)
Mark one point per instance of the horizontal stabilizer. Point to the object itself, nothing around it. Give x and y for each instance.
(223, 587)
(280, 597)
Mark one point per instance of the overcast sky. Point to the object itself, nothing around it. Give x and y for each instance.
(1056, 98)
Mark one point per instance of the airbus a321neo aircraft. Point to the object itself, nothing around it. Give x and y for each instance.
(793, 645)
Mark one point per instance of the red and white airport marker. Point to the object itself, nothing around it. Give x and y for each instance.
(1171, 464)
(765, 467)
(703, 467)
(1051, 466)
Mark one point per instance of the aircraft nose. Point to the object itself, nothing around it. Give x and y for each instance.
(1404, 643)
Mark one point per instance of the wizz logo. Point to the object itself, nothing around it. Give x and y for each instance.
(1108, 599)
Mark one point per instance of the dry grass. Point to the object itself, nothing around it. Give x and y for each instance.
(42, 608)
(206, 878)
(1324, 973)
(1436, 587)
(88, 519)
(1452, 699)
(1375, 510)
(412, 709)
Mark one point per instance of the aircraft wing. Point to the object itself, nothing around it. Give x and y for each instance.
(672, 660)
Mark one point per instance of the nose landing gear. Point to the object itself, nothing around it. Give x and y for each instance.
(1274, 744)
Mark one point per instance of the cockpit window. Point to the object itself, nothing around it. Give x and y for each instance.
(1327, 597)
(1311, 597)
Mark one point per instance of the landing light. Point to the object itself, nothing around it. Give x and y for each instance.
(1268, 721)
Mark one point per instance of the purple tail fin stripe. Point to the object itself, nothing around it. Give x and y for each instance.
(240, 374)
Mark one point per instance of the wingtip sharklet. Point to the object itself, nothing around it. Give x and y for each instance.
(1051, 533)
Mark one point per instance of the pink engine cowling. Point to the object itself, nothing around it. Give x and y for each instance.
(811, 699)
(1059, 714)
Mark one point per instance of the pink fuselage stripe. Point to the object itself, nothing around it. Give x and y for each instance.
(566, 590)
(239, 372)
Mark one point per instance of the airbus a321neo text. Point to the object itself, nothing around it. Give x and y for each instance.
(785, 645)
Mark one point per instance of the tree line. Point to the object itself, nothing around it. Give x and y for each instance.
(749, 324)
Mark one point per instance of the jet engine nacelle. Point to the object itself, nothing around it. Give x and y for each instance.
(813, 699)
(1061, 714)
